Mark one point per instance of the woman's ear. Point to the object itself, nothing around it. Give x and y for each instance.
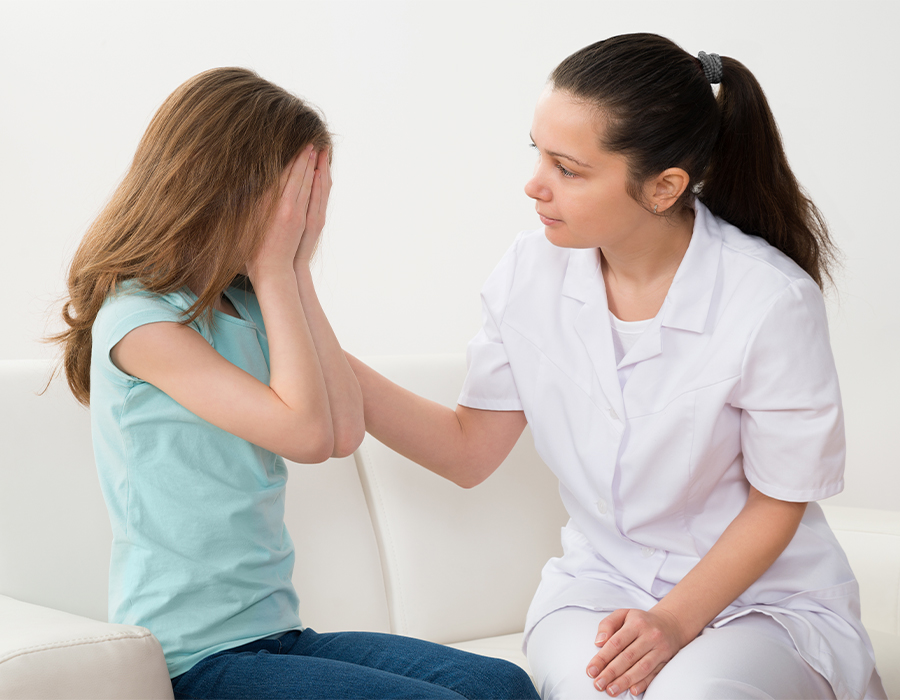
(665, 189)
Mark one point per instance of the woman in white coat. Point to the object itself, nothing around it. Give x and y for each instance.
(665, 338)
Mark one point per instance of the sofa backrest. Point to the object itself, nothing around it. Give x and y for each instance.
(871, 539)
(55, 534)
(459, 564)
(54, 531)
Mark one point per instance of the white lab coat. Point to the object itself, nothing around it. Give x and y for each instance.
(732, 384)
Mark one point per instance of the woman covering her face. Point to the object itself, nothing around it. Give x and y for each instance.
(664, 336)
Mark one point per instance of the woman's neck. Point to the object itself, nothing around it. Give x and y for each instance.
(639, 272)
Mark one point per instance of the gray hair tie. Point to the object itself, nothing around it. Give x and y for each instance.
(712, 66)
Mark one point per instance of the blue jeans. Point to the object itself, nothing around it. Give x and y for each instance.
(344, 665)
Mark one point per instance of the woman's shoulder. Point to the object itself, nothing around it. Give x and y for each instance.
(132, 294)
(754, 256)
(131, 305)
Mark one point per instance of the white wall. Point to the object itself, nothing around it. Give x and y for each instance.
(432, 102)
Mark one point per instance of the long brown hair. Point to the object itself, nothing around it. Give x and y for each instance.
(661, 112)
(193, 205)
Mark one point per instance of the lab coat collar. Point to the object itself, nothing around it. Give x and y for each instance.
(690, 294)
(686, 306)
(688, 302)
(584, 283)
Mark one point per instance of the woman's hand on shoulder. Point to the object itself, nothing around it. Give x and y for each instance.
(288, 224)
(634, 646)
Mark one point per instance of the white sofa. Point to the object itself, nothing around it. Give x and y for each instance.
(382, 545)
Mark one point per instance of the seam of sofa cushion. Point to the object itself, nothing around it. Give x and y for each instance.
(81, 641)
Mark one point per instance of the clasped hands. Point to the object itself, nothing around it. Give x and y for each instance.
(634, 646)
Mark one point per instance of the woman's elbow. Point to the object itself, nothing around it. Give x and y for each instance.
(312, 445)
(472, 475)
(347, 441)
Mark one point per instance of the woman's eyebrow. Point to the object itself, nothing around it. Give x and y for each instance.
(562, 155)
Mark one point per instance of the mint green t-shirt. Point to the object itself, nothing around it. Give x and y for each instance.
(200, 555)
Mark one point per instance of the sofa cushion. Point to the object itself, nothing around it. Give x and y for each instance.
(46, 653)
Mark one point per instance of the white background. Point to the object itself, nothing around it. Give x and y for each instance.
(431, 103)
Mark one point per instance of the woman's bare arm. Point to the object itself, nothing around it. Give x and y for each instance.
(344, 395)
(464, 445)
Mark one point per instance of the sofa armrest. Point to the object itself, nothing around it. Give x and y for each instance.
(46, 653)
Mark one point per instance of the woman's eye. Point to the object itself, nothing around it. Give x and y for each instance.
(566, 173)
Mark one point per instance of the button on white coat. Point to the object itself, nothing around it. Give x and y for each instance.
(647, 552)
(613, 414)
(601, 507)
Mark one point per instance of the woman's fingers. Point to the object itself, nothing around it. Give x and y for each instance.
(609, 625)
(318, 203)
(641, 686)
(323, 168)
(615, 645)
(285, 230)
(640, 643)
(634, 665)
(296, 174)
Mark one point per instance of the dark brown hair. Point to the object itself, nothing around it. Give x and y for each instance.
(660, 112)
(194, 203)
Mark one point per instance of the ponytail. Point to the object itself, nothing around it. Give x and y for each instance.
(661, 113)
(749, 183)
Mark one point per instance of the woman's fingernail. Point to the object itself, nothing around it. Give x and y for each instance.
(613, 690)
(601, 638)
(593, 671)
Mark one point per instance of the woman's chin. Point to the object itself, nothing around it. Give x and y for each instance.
(560, 237)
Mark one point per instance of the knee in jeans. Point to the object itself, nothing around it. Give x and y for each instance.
(508, 681)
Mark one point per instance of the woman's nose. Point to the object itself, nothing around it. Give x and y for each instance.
(535, 188)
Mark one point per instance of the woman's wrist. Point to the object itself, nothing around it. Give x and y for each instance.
(682, 625)
(263, 276)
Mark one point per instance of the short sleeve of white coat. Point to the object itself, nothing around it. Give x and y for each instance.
(489, 382)
(792, 423)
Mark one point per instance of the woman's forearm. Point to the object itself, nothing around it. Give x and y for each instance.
(747, 548)
(295, 373)
(344, 395)
(463, 445)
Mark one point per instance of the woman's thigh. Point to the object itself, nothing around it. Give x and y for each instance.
(559, 649)
(750, 658)
(350, 665)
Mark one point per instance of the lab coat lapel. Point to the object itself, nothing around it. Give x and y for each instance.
(689, 298)
(584, 283)
(686, 308)
(694, 287)
(648, 346)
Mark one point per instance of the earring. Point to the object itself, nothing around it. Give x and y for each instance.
(655, 207)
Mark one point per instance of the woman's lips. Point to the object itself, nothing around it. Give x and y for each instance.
(547, 221)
